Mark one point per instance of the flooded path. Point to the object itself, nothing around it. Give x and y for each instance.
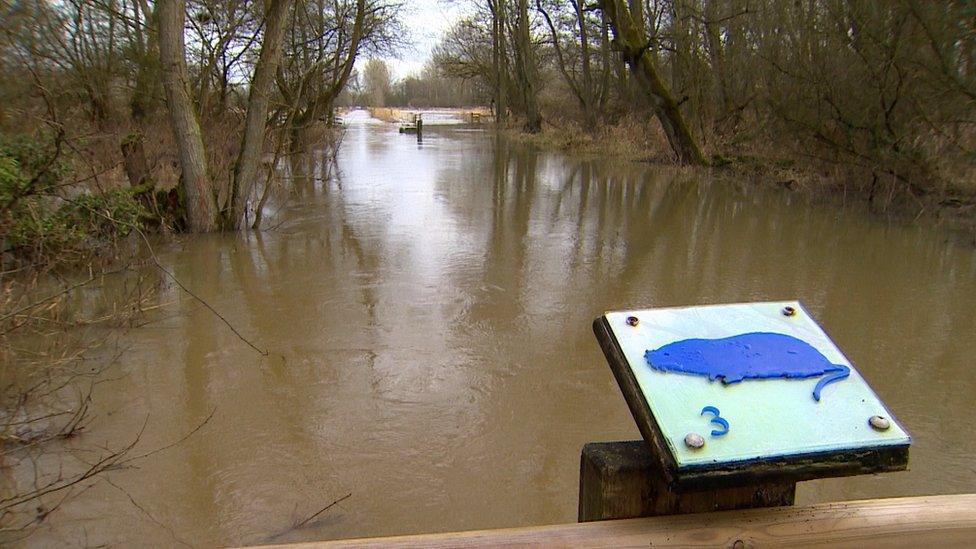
(427, 315)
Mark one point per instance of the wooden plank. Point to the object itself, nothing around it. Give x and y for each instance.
(776, 470)
(623, 480)
(932, 521)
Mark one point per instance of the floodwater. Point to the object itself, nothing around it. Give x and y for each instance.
(427, 315)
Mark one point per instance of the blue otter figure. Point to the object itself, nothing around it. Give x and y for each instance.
(755, 355)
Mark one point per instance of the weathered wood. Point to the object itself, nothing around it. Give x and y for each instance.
(928, 521)
(623, 480)
(634, 397)
(778, 470)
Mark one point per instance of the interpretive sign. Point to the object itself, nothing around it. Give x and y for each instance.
(736, 393)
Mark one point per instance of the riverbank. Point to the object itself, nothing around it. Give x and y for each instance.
(950, 203)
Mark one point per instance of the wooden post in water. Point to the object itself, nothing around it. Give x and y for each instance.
(419, 121)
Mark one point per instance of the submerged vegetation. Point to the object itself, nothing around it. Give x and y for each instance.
(120, 118)
(874, 96)
(52, 226)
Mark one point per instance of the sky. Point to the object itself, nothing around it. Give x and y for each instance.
(425, 21)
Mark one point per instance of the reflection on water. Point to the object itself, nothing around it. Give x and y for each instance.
(427, 313)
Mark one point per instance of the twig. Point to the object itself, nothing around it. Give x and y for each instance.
(172, 444)
(58, 135)
(189, 292)
(105, 463)
(324, 509)
(145, 512)
(171, 276)
(35, 419)
(67, 290)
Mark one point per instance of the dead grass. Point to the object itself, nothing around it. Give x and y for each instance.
(947, 198)
(389, 114)
(395, 115)
(630, 139)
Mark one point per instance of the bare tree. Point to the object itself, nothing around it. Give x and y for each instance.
(323, 46)
(255, 121)
(576, 63)
(631, 43)
(378, 81)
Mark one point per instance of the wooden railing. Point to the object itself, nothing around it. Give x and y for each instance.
(927, 522)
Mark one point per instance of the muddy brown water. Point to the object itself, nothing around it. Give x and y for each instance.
(427, 315)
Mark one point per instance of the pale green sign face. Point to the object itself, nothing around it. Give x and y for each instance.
(766, 417)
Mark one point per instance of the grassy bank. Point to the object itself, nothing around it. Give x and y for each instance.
(948, 196)
(395, 115)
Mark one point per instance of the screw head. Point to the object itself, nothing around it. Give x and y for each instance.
(879, 423)
(789, 311)
(633, 320)
(694, 440)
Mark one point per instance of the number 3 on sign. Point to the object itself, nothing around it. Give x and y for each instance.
(717, 420)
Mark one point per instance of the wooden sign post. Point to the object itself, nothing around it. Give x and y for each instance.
(736, 404)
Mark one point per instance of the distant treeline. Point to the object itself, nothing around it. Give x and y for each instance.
(375, 86)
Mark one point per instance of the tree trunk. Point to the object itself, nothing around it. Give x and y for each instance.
(582, 87)
(255, 121)
(716, 53)
(200, 204)
(499, 64)
(604, 61)
(589, 105)
(146, 84)
(632, 44)
(134, 162)
(526, 70)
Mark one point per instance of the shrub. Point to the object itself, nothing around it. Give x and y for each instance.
(47, 220)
